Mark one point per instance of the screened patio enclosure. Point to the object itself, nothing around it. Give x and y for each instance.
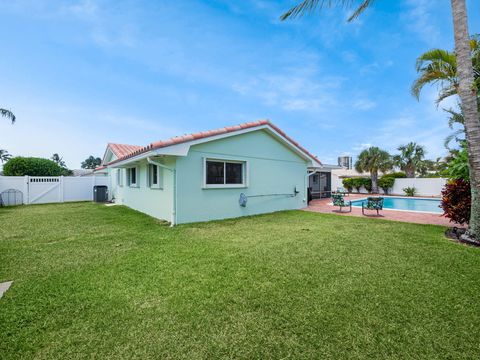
(320, 185)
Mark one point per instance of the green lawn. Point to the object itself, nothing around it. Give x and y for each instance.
(92, 281)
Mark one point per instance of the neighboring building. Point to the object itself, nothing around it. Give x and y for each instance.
(345, 162)
(201, 176)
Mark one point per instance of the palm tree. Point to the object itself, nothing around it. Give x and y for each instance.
(8, 114)
(438, 66)
(466, 89)
(4, 156)
(373, 160)
(410, 158)
(468, 96)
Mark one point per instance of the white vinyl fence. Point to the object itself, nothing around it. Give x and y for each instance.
(48, 189)
(423, 186)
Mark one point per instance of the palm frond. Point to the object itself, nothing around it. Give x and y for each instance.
(436, 66)
(446, 92)
(455, 117)
(365, 4)
(309, 6)
(436, 56)
(452, 136)
(8, 114)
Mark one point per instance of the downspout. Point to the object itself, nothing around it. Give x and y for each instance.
(174, 173)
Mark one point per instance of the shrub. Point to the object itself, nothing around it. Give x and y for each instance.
(456, 201)
(367, 184)
(357, 183)
(32, 166)
(395, 175)
(348, 184)
(457, 168)
(410, 191)
(386, 183)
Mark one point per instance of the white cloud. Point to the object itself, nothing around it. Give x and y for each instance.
(419, 20)
(364, 104)
(299, 91)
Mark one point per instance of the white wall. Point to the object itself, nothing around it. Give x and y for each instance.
(424, 186)
(52, 189)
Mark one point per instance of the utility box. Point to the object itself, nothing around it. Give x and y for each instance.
(100, 193)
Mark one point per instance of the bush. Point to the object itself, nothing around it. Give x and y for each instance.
(32, 166)
(348, 184)
(357, 183)
(386, 183)
(410, 191)
(396, 175)
(367, 184)
(457, 168)
(456, 201)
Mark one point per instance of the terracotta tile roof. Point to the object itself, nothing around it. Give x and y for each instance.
(137, 150)
(121, 150)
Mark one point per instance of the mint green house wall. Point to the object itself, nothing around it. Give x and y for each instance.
(272, 168)
(152, 201)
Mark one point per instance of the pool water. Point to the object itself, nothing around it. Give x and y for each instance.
(408, 204)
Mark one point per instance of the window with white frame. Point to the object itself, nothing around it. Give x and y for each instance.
(155, 176)
(119, 177)
(132, 176)
(225, 173)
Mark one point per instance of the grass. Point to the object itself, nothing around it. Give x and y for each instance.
(107, 282)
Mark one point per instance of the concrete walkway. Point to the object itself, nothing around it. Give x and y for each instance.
(4, 287)
(323, 206)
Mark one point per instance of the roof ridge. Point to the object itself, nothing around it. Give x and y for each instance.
(205, 134)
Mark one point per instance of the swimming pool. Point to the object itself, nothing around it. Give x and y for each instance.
(407, 204)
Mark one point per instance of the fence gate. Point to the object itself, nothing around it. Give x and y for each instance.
(44, 189)
(52, 189)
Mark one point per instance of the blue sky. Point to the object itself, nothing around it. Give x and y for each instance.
(79, 74)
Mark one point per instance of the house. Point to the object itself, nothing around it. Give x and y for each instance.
(247, 169)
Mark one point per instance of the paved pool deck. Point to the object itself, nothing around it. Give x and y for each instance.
(324, 206)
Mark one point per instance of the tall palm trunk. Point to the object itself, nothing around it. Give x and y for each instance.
(410, 172)
(374, 178)
(468, 99)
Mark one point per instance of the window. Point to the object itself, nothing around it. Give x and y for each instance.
(119, 177)
(155, 176)
(132, 177)
(224, 173)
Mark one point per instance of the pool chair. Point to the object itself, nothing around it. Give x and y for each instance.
(372, 203)
(338, 200)
(341, 191)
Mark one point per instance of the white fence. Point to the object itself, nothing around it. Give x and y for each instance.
(51, 189)
(423, 186)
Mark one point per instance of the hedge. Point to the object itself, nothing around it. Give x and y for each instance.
(32, 166)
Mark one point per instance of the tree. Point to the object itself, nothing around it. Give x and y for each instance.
(91, 162)
(21, 166)
(439, 67)
(373, 160)
(4, 156)
(7, 114)
(410, 158)
(60, 162)
(467, 90)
